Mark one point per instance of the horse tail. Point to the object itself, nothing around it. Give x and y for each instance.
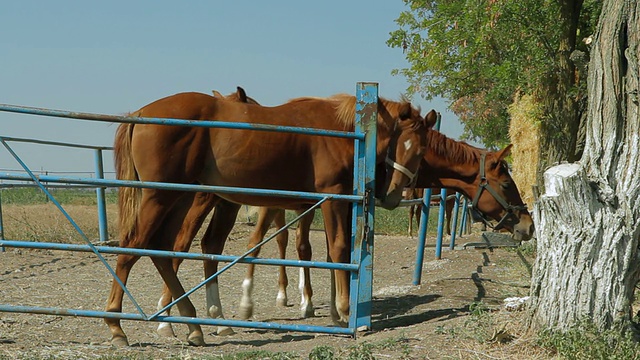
(128, 197)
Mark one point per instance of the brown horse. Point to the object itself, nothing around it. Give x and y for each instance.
(199, 210)
(257, 159)
(478, 174)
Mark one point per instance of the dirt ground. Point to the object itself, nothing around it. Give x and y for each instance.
(433, 320)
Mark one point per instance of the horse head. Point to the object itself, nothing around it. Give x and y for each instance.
(405, 152)
(498, 198)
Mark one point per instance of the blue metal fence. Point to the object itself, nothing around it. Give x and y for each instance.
(361, 267)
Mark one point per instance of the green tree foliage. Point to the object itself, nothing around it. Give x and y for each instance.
(480, 53)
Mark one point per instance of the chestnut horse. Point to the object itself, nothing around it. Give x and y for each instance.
(254, 159)
(479, 174)
(200, 208)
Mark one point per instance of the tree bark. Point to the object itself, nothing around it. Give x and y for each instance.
(559, 130)
(588, 220)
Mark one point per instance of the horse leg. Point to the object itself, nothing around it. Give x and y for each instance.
(265, 217)
(337, 221)
(124, 264)
(154, 206)
(283, 240)
(185, 307)
(222, 222)
(303, 246)
(187, 215)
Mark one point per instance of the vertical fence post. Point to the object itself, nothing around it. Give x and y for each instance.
(1, 224)
(424, 222)
(464, 226)
(443, 201)
(422, 236)
(456, 208)
(363, 221)
(102, 207)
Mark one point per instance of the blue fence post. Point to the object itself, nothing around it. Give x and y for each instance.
(443, 200)
(424, 222)
(102, 207)
(456, 208)
(363, 214)
(1, 224)
(465, 211)
(422, 236)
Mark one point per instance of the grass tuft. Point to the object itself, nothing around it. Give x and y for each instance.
(585, 342)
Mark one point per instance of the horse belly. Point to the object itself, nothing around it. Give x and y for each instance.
(261, 164)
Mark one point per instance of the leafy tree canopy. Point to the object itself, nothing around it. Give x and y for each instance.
(479, 53)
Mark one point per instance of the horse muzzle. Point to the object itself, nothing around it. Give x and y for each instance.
(391, 200)
(523, 231)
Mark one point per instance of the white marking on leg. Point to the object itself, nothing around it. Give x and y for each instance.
(247, 290)
(281, 298)
(214, 307)
(245, 309)
(306, 306)
(301, 287)
(213, 301)
(164, 328)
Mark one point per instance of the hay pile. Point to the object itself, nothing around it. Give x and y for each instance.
(525, 136)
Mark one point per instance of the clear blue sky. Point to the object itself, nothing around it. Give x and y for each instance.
(113, 57)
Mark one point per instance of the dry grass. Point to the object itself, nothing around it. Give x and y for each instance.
(44, 222)
(524, 133)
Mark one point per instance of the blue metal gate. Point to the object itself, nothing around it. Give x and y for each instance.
(361, 265)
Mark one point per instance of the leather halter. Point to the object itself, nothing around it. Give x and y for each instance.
(408, 173)
(411, 175)
(510, 218)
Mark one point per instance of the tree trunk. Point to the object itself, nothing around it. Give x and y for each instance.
(588, 219)
(559, 130)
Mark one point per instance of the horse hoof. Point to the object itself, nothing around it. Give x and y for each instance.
(166, 330)
(225, 331)
(307, 312)
(341, 323)
(281, 302)
(196, 340)
(245, 311)
(215, 312)
(119, 341)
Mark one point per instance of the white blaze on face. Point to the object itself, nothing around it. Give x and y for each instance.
(407, 145)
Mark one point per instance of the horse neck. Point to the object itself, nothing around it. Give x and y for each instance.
(383, 138)
(449, 164)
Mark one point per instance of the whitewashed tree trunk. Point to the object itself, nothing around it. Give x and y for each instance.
(588, 219)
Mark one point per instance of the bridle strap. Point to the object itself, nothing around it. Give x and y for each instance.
(484, 185)
(411, 175)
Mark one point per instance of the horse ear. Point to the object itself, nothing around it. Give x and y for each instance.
(504, 152)
(431, 118)
(405, 111)
(242, 96)
(217, 94)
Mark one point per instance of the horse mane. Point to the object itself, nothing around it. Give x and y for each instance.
(345, 106)
(458, 151)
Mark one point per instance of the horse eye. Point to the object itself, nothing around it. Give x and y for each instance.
(505, 185)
